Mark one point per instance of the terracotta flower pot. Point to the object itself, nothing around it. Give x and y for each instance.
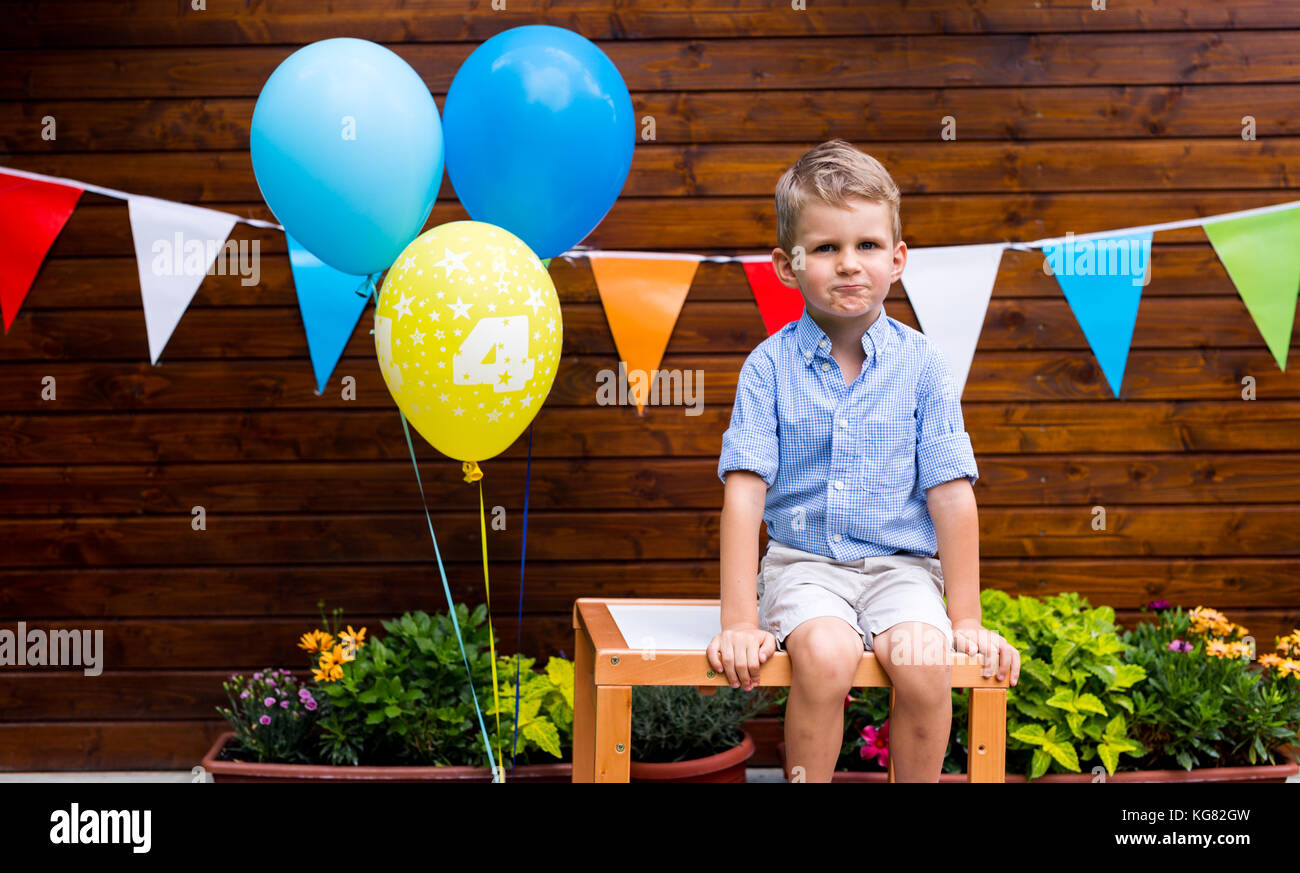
(1248, 773)
(728, 766)
(246, 771)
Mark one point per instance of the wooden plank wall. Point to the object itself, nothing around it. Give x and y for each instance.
(1067, 118)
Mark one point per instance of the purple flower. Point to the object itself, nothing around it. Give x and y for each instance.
(284, 704)
(270, 681)
(243, 695)
(266, 719)
(1158, 605)
(1180, 646)
(285, 672)
(257, 675)
(311, 704)
(270, 701)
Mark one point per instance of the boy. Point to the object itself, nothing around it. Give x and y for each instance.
(847, 439)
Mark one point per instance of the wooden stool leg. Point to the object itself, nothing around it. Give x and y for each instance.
(988, 735)
(891, 715)
(584, 708)
(613, 733)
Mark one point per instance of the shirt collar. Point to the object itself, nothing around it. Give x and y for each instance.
(813, 341)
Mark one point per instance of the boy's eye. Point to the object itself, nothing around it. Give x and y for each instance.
(832, 245)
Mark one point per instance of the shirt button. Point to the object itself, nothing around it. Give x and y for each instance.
(822, 344)
(807, 355)
(825, 366)
(839, 486)
(837, 538)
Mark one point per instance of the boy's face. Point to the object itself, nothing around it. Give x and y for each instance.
(849, 260)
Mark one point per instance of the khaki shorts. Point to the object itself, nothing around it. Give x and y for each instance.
(872, 594)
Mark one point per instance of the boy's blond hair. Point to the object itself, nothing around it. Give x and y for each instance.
(832, 172)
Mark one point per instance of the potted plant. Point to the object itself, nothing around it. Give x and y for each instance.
(398, 708)
(682, 735)
(1176, 693)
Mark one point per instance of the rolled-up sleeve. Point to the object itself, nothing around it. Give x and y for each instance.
(943, 448)
(752, 442)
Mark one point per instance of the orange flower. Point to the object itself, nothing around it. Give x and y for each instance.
(315, 641)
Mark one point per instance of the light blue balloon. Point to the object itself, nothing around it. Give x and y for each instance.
(347, 150)
(540, 133)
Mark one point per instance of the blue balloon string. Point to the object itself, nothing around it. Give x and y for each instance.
(519, 619)
(446, 589)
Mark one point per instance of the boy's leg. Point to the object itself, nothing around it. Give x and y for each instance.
(824, 655)
(921, 720)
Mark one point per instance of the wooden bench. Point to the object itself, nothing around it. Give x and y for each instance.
(622, 642)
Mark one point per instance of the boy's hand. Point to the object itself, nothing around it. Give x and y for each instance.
(739, 651)
(971, 637)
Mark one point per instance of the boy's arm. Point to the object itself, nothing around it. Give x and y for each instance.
(956, 527)
(744, 498)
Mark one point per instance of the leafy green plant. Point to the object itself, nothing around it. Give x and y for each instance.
(406, 699)
(1072, 704)
(545, 709)
(1204, 704)
(678, 723)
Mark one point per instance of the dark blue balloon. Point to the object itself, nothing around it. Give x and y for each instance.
(539, 132)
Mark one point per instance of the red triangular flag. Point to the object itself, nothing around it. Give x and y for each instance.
(32, 212)
(778, 304)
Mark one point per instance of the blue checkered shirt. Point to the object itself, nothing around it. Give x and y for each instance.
(847, 466)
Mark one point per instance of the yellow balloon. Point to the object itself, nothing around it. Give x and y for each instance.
(468, 333)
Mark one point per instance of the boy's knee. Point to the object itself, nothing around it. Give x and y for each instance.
(912, 644)
(825, 652)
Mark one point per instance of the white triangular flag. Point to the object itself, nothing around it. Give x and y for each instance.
(175, 244)
(949, 288)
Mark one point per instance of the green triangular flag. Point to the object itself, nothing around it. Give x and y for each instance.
(546, 262)
(1262, 256)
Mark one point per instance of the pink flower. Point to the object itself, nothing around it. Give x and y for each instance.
(243, 695)
(1180, 646)
(876, 743)
(848, 698)
(266, 719)
(284, 704)
(270, 681)
(310, 704)
(257, 675)
(270, 701)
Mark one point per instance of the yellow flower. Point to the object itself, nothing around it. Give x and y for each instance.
(1216, 648)
(314, 641)
(1289, 666)
(352, 640)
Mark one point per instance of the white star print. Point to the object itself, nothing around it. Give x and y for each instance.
(461, 308)
(404, 306)
(451, 262)
(418, 337)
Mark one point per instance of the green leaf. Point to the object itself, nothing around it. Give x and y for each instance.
(1089, 703)
(1038, 766)
(1030, 733)
(1109, 756)
(1063, 699)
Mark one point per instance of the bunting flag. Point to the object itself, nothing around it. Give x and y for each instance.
(1102, 278)
(175, 245)
(778, 304)
(949, 288)
(642, 297)
(1262, 256)
(330, 307)
(32, 213)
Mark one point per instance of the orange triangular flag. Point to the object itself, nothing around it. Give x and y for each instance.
(642, 299)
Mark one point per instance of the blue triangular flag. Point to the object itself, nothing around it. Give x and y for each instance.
(1102, 279)
(331, 303)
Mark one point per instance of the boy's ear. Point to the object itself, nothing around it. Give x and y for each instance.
(784, 268)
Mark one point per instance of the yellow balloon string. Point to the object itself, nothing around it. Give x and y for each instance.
(482, 524)
(472, 474)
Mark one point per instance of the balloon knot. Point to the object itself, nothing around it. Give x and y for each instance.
(471, 471)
